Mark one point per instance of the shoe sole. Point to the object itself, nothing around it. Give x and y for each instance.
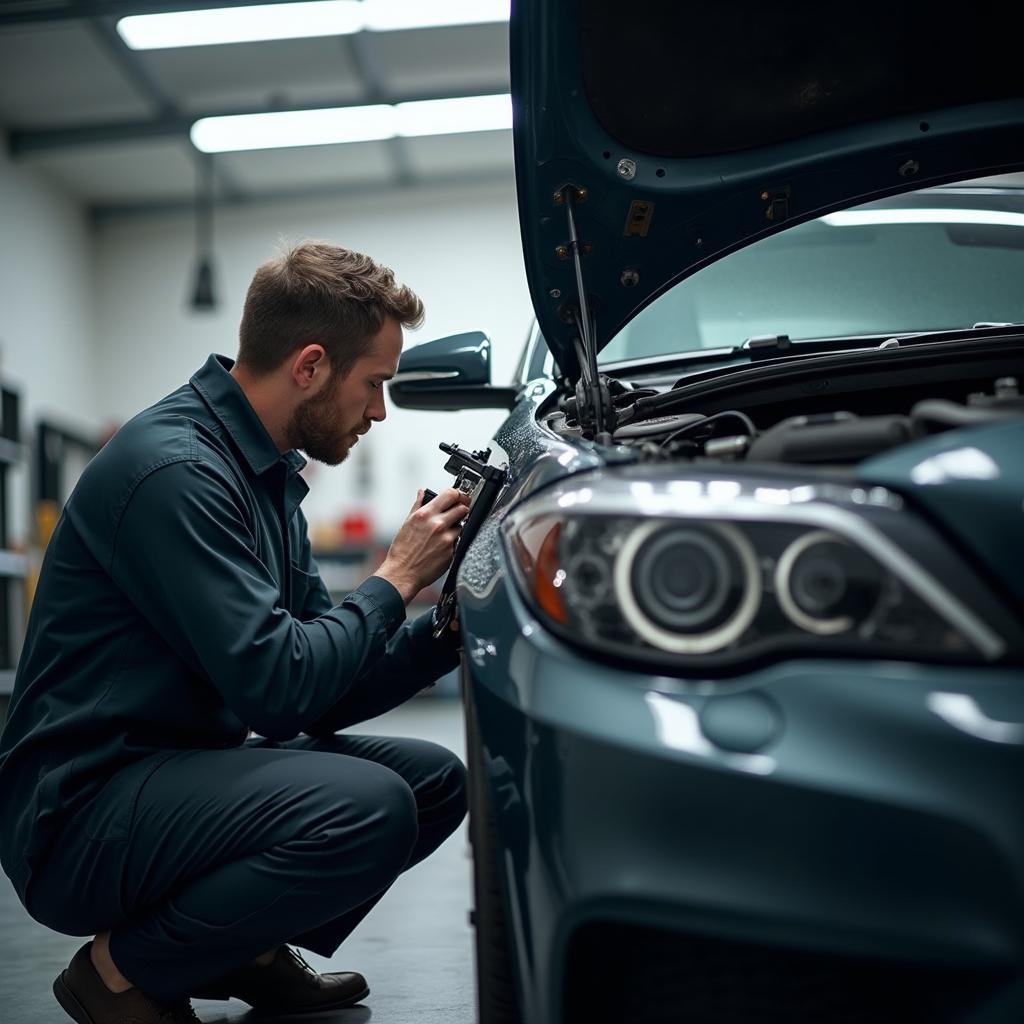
(338, 1004)
(68, 1001)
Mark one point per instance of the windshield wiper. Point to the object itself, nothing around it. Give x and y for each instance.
(772, 346)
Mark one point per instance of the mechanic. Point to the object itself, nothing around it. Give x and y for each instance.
(172, 777)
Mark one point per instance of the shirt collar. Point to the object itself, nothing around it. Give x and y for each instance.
(220, 391)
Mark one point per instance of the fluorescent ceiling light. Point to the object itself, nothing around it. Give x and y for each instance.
(391, 15)
(241, 24)
(852, 218)
(294, 128)
(449, 117)
(297, 20)
(351, 124)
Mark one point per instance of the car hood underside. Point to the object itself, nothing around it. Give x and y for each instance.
(673, 134)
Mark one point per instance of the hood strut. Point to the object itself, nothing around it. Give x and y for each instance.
(592, 397)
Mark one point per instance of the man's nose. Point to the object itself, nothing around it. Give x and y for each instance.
(376, 410)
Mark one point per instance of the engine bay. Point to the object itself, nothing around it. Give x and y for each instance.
(815, 411)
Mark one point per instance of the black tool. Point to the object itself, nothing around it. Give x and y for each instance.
(482, 483)
(428, 495)
(467, 467)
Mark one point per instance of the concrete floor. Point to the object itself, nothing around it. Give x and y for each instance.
(415, 947)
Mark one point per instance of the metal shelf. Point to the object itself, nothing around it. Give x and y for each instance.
(13, 564)
(11, 452)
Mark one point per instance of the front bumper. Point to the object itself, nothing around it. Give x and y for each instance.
(845, 812)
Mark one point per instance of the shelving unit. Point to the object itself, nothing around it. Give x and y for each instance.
(13, 564)
(60, 456)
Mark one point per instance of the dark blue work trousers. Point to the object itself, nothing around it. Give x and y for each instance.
(222, 855)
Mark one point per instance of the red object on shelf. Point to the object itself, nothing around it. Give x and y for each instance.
(356, 528)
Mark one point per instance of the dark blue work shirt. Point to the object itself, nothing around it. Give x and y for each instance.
(179, 607)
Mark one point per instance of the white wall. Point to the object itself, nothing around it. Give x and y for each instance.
(46, 298)
(46, 312)
(458, 247)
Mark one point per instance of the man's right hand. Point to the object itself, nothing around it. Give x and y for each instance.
(425, 544)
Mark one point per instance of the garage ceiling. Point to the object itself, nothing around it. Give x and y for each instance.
(109, 125)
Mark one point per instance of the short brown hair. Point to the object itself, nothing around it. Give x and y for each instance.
(323, 294)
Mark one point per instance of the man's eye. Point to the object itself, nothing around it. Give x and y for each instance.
(374, 384)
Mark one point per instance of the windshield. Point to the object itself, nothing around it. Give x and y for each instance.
(931, 260)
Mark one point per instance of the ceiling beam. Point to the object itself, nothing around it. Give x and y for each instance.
(360, 52)
(145, 84)
(102, 213)
(29, 12)
(138, 75)
(23, 141)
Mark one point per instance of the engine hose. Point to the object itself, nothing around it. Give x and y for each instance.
(945, 413)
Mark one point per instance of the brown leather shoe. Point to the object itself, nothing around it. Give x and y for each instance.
(287, 986)
(84, 995)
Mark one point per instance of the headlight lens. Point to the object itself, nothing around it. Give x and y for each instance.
(688, 588)
(718, 589)
(824, 586)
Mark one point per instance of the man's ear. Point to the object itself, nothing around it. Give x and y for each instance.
(310, 367)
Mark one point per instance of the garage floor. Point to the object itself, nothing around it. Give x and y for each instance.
(415, 947)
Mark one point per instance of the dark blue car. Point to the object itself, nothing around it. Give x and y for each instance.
(742, 584)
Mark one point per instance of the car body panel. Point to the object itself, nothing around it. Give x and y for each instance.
(804, 799)
(875, 822)
(838, 137)
(870, 820)
(536, 456)
(972, 482)
(612, 803)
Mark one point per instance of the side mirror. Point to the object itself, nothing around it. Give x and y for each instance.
(450, 373)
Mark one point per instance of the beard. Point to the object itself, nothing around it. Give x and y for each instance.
(317, 429)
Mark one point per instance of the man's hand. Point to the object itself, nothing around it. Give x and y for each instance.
(425, 544)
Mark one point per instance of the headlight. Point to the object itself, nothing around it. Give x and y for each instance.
(679, 573)
(824, 586)
(688, 588)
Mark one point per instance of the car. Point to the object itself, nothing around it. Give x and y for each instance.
(741, 588)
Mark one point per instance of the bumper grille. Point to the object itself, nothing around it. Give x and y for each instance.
(621, 973)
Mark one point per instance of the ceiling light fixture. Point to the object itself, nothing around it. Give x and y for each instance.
(204, 295)
(451, 117)
(285, 128)
(398, 15)
(856, 218)
(336, 125)
(261, 22)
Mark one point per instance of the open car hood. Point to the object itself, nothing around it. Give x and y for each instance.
(686, 131)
